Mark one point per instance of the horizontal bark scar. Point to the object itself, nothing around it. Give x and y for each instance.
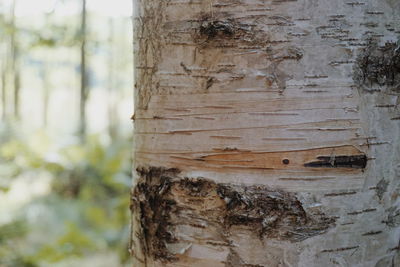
(346, 156)
(166, 201)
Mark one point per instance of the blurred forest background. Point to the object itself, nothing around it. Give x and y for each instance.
(65, 132)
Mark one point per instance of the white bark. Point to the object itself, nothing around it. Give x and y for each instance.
(267, 133)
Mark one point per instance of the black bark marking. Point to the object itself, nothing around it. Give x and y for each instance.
(213, 28)
(342, 161)
(210, 82)
(227, 32)
(379, 66)
(361, 211)
(393, 219)
(381, 188)
(186, 69)
(372, 233)
(165, 200)
(339, 249)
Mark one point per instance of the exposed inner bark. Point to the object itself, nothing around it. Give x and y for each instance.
(166, 202)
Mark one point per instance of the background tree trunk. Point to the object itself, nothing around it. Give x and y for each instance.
(111, 83)
(266, 133)
(83, 85)
(46, 84)
(4, 85)
(10, 74)
(14, 62)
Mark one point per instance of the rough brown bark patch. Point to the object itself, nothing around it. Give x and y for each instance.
(378, 65)
(167, 201)
(226, 32)
(272, 213)
(149, 198)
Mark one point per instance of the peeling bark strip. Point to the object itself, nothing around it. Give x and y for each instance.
(167, 203)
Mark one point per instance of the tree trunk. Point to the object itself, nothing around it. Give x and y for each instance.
(4, 87)
(14, 61)
(266, 133)
(111, 91)
(10, 73)
(46, 92)
(83, 86)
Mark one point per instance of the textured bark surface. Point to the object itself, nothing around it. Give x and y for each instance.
(267, 133)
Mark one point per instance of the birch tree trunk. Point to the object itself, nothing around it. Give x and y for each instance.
(266, 133)
(83, 92)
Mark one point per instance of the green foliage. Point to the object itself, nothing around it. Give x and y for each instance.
(83, 209)
(17, 228)
(86, 210)
(74, 243)
(11, 234)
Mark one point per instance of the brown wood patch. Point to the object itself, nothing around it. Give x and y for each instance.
(330, 157)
